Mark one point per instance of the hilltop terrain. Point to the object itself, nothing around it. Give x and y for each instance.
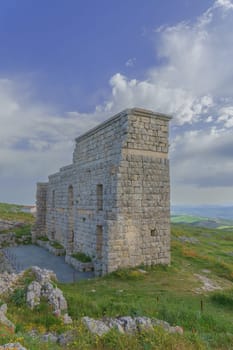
(194, 292)
(208, 211)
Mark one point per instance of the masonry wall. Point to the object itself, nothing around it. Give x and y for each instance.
(112, 203)
(141, 234)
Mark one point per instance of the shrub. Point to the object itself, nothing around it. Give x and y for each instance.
(223, 299)
(43, 238)
(81, 257)
(56, 245)
(18, 297)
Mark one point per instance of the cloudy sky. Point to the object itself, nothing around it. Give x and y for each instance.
(65, 66)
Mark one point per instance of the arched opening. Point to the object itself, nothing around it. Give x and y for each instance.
(70, 236)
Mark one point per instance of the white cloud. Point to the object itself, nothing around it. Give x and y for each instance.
(226, 116)
(130, 62)
(196, 75)
(194, 83)
(227, 4)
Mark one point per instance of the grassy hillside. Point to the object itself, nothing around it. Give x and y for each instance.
(14, 212)
(201, 260)
(200, 221)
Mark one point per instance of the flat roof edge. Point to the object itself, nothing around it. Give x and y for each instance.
(146, 112)
(130, 111)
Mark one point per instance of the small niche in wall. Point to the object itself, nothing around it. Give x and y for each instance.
(99, 195)
(153, 232)
(84, 219)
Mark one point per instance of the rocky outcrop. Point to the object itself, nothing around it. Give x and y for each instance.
(45, 287)
(8, 237)
(208, 284)
(95, 326)
(5, 265)
(127, 324)
(7, 281)
(13, 346)
(43, 275)
(33, 294)
(3, 319)
(9, 224)
(62, 339)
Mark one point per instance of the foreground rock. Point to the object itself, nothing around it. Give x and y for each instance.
(10, 224)
(208, 285)
(43, 275)
(5, 265)
(13, 346)
(62, 339)
(44, 287)
(127, 324)
(8, 281)
(3, 319)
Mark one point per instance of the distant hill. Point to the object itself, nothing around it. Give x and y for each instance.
(220, 212)
(16, 212)
(218, 217)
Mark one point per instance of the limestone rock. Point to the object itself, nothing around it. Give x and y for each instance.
(49, 337)
(95, 326)
(176, 329)
(57, 301)
(44, 287)
(67, 319)
(3, 319)
(67, 337)
(7, 281)
(33, 294)
(43, 275)
(167, 327)
(143, 323)
(128, 324)
(114, 323)
(13, 346)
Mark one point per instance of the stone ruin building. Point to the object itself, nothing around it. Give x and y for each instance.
(113, 202)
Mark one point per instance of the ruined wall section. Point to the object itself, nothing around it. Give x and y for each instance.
(58, 212)
(142, 232)
(41, 204)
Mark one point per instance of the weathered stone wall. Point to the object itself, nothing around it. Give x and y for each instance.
(141, 233)
(112, 203)
(41, 204)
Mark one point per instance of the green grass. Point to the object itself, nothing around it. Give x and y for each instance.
(220, 223)
(187, 219)
(81, 257)
(43, 238)
(164, 292)
(14, 212)
(56, 245)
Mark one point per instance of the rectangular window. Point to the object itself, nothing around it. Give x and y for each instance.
(99, 241)
(99, 194)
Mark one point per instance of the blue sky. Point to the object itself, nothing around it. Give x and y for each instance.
(67, 65)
